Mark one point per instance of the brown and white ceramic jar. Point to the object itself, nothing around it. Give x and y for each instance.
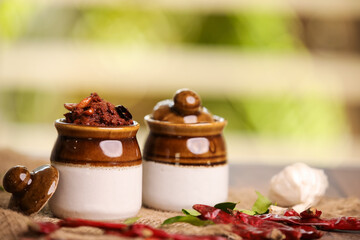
(100, 172)
(184, 155)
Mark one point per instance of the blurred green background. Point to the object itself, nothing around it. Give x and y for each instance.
(284, 77)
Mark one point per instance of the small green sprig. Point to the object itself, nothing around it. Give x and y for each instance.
(193, 220)
(191, 216)
(191, 212)
(226, 206)
(260, 206)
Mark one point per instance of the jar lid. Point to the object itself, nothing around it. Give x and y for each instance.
(30, 190)
(185, 107)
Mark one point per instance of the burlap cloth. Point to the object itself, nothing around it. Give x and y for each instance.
(14, 225)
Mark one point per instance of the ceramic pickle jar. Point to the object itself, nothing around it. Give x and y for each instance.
(184, 164)
(100, 172)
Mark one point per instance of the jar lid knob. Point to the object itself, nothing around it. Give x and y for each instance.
(187, 102)
(16, 179)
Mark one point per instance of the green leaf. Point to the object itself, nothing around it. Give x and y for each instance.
(132, 220)
(248, 212)
(188, 219)
(191, 212)
(261, 204)
(2, 189)
(225, 206)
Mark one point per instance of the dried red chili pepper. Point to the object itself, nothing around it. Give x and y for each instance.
(69, 222)
(142, 230)
(291, 220)
(118, 229)
(150, 236)
(342, 223)
(310, 213)
(214, 214)
(309, 232)
(253, 227)
(291, 212)
(267, 226)
(44, 227)
(291, 232)
(312, 218)
(247, 231)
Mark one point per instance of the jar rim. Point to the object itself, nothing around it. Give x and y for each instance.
(110, 132)
(186, 129)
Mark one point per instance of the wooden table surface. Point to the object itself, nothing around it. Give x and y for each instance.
(343, 182)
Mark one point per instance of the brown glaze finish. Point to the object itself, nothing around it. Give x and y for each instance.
(187, 102)
(96, 146)
(16, 179)
(186, 129)
(184, 108)
(30, 190)
(186, 144)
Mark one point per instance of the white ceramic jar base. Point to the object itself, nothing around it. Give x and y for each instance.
(97, 193)
(172, 188)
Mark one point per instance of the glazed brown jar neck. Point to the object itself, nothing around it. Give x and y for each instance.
(186, 129)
